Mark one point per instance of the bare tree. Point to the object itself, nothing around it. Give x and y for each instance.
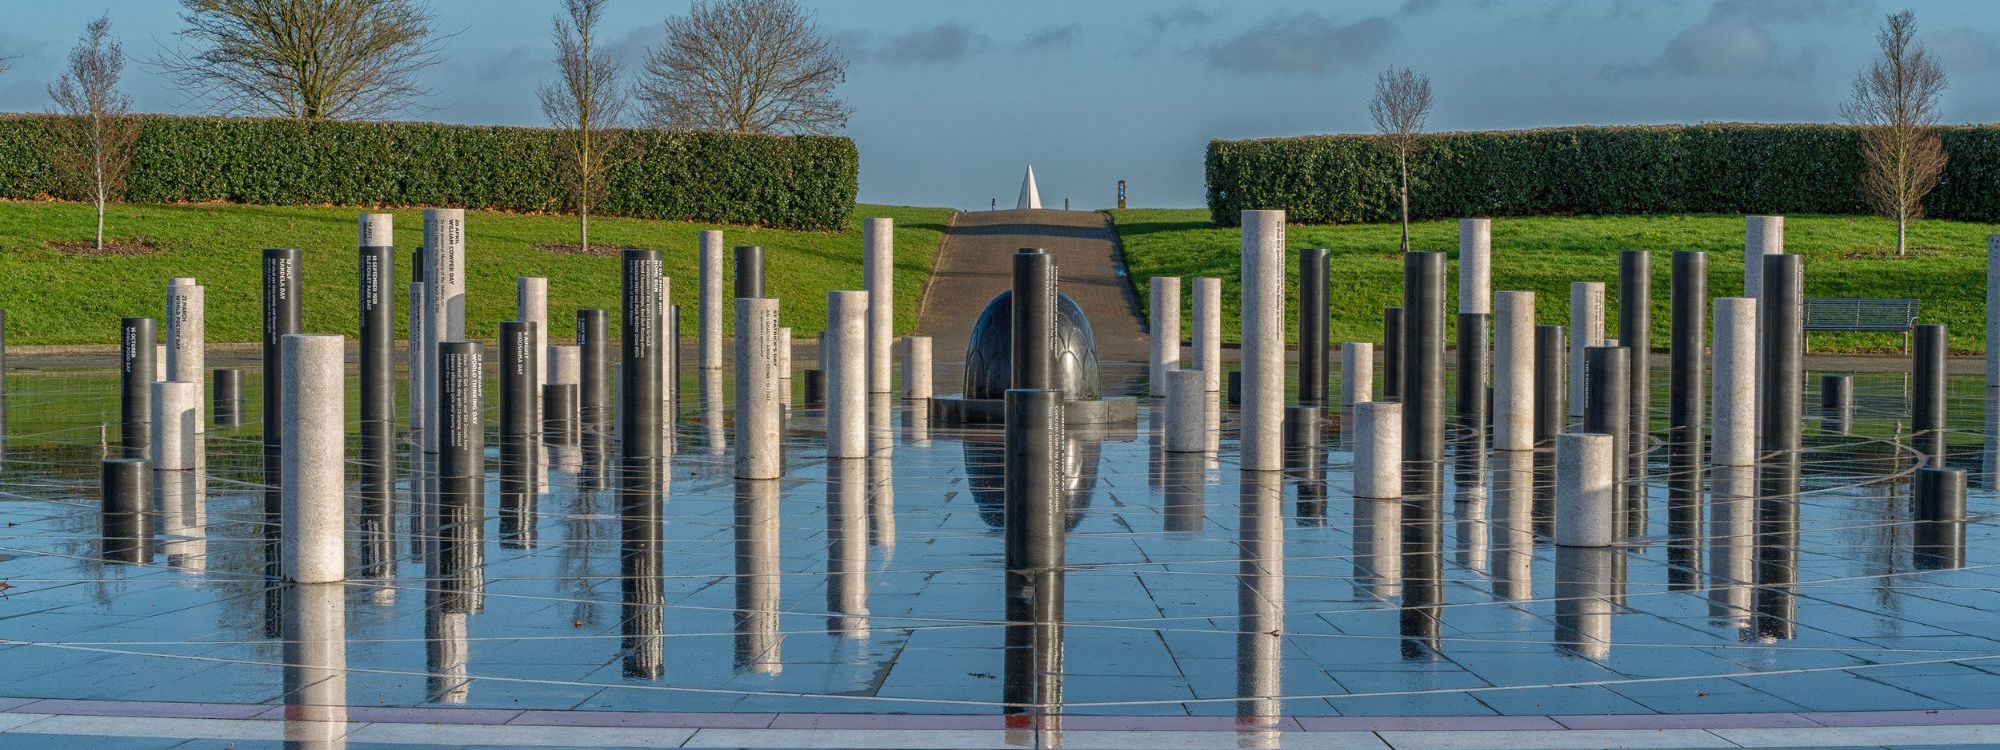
(1402, 102)
(1895, 102)
(745, 66)
(95, 134)
(586, 104)
(309, 59)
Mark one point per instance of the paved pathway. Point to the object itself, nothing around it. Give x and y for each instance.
(976, 263)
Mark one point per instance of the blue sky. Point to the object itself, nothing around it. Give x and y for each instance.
(952, 98)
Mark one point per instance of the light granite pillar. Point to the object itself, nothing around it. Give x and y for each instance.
(846, 354)
(1357, 373)
(1514, 371)
(1735, 360)
(1186, 412)
(1207, 334)
(1762, 235)
(314, 464)
(1586, 330)
(1263, 305)
(444, 302)
(878, 273)
(1992, 310)
(917, 385)
(709, 356)
(1164, 324)
(759, 417)
(187, 335)
(531, 305)
(1378, 450)
(1475, 266)
(1585, 509)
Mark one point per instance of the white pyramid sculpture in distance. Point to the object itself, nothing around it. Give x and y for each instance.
(1030, 197)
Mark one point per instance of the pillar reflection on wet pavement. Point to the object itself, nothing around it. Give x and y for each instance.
(1423, 558)
(759, 645)
(642, 616)
(881, 470)
(847, 547)
(315, 671)
(1513, 514)
(1260, 601)
(1584, 580)
(1470, 499)
(1732, 541)
(1774, 603)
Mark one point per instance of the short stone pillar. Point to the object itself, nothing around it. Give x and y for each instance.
(1585, 511)
(314, 421)
(1186, 412)
(176, 413)
(759, 413)
(1357, 373)
(846, 353)
(1586, 330)
(187, 336)
(1734, 365)
(1313, 353)
(1263, 299)
(1927, 391)
(1378, 450)
(1938, 539)
(709, 356)
(1514, 371)
(917, 368)
(1164, 323)
(878, 275)
(1207, 335)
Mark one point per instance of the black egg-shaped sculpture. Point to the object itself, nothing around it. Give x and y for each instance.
(989, 353)
(986, 474)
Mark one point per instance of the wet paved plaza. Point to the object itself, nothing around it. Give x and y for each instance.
(876, 586)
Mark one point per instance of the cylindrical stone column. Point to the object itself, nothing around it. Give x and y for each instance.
(375, 288)
(1781, 312)
(1423, 356)
(1302, 428)
(228, 409)
(815, 387)
(1313, 355)
(1186, 412)
(594, 370)
(1635, 334)
(1357, 373)
(670, 361)
(759, 410)
(1927, 392)
(1378, 450)
(641, 361)
(565, 368)
(1586, 329)
(126, 498)
(1032, 319)
(531, 306)
(444, 301)
(187, 336)
(878, 274)
(1472, 367)
(1735, 362)
(135, 386)
(173, 421)
(313, 418)
(1475, 265)
(749, 272)
(1762, 235)
(710, 343)
(1992, 310)
(1207, 335)
(1263, 336)
(1514, 371)
(415, 358)
(1164, 323)
(559, 422)
(1585, 513)
(1688, 321)
(1939, 534)
(461, 407)
(1392, 354)
(1549, 391)
(917, 384)
(283, 302)
(519, 367)
(846, 351)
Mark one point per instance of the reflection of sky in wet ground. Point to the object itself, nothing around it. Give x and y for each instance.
(875, 585)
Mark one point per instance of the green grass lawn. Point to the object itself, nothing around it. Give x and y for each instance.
(57, 298)
(1845, 256)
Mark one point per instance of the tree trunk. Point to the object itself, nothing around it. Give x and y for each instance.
(100, 222)
(583, 225)
(1902, 231)
(1403, 172)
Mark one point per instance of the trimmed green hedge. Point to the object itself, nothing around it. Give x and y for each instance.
(1671, 169)
(796, 182)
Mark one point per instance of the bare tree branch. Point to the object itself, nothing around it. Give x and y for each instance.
(309, 59)
(745, 66)
(586, 103)
(1895, 101)
(1402, 102)
(94, 137)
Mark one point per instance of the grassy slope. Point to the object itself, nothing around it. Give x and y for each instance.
(1946, 269)
(53, 298)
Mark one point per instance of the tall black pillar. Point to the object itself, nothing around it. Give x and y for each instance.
(282, 311)
(1783, 341)
(519, 363)
(1313, 363)
(1927, 394)
(1688, 321)
(1635, 334)
(1423, 356)
(749, 272)
(1473, 362)
(1606, 410)
(461, 379)
(594, 380)
(641, 362)
(1034, 318)
(1550, 410)
(378, 338)
(1392, 355)
(136, 340)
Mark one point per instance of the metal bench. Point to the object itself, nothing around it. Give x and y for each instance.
(1850, 314)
